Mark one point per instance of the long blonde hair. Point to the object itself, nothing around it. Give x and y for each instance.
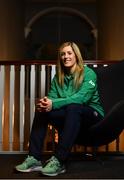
(78, 72)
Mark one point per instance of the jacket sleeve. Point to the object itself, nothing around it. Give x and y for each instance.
(53, 93)
(84, 93)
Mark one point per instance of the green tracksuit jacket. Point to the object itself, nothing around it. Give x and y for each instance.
(87, 93)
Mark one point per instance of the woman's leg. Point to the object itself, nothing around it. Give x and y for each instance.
(39, 129)
(76, 116)
(37, 135)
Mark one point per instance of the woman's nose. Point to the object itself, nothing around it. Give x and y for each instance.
(66, 55)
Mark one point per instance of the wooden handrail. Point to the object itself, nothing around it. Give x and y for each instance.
(50, 62)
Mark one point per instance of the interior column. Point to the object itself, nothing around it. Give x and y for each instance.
(110, 29)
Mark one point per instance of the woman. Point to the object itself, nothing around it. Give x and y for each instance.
(72, 106)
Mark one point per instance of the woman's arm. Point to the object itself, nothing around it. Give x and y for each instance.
(82, 96)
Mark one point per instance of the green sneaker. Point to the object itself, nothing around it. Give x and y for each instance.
(53, 167)
(30, 164)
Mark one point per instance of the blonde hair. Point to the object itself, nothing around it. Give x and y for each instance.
(78, 72)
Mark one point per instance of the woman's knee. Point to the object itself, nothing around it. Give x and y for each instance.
(74, 107)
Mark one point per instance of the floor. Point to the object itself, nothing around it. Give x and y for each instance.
(78, 167)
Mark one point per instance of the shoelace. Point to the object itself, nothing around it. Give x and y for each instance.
(28, 159)
(52, 162)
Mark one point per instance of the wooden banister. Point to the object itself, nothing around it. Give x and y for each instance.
(21, 83)
(51, 62)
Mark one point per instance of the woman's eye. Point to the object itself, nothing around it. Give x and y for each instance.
(62, 54)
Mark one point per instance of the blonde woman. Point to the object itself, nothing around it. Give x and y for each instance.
(72, 106)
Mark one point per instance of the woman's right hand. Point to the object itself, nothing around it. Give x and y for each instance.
(44, 105)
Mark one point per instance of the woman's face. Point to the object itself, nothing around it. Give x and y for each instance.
(68, 57)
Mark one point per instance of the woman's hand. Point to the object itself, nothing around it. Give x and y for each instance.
(44, 105)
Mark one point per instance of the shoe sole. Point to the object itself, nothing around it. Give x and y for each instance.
(54, 174)
(30, 169)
